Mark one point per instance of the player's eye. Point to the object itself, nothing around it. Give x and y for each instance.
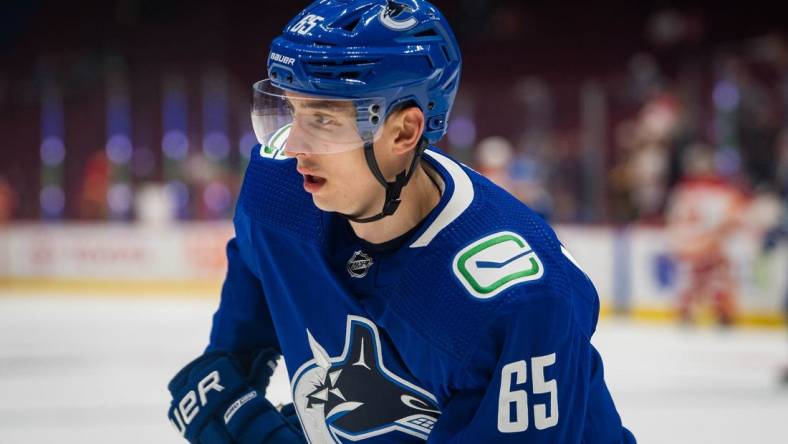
(324, 120)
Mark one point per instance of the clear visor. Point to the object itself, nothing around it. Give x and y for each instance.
(321, 125)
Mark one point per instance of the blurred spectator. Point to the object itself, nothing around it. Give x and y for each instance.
(781, 173)
(95, 185)
(524, 176)
(642, 180)
(7, 200)
(564, 185)
(493, 159)
(154, 206)
(643, 78)
(528, 178)
(757, 122)
(210, 185)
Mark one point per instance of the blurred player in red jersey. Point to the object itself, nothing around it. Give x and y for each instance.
(703, 210)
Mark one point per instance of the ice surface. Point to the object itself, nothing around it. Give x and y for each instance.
(94, 370)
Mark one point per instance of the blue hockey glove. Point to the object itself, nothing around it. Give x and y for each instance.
(289, 412)
(214, 403)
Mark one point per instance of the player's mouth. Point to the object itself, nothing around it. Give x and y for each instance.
(312, 182)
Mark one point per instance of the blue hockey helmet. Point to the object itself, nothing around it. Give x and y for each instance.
(387, 52)
(350, 63)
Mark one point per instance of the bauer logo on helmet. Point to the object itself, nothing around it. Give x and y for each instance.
(282, 59)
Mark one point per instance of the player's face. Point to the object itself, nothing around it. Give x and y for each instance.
(339, 181)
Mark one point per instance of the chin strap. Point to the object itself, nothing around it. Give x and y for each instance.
(393, 189)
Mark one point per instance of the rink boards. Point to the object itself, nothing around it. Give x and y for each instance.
(633, 268)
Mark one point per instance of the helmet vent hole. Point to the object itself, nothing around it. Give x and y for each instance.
(323, 75)
(446, 53)
(430, 62)
(350, 75)
(358, 62)
(426, 33)
(351, 26)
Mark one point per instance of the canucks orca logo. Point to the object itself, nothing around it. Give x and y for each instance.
(354, 396)
(391, 16)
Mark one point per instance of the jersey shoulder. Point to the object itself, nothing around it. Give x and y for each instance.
(491, 258)
(492, 242)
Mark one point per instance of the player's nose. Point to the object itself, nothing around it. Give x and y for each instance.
(296, 142)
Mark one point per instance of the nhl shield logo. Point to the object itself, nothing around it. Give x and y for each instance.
(359, 264)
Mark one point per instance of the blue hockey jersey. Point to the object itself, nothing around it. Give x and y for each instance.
(475, 330)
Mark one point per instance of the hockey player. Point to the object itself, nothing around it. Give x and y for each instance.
(412, 299)
(702, 212)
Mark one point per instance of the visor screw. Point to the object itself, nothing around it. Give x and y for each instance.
(374, 120)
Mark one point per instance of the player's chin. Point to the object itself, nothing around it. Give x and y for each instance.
(323, 202)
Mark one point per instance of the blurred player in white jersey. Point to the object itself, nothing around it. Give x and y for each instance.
(703, 210)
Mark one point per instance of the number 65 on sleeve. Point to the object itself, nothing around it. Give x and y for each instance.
(513, 404)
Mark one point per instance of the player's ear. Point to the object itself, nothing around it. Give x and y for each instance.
(408, 128)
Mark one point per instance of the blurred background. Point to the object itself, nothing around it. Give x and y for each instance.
(652, 135)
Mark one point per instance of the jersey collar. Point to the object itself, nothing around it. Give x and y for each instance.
(456, 196)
